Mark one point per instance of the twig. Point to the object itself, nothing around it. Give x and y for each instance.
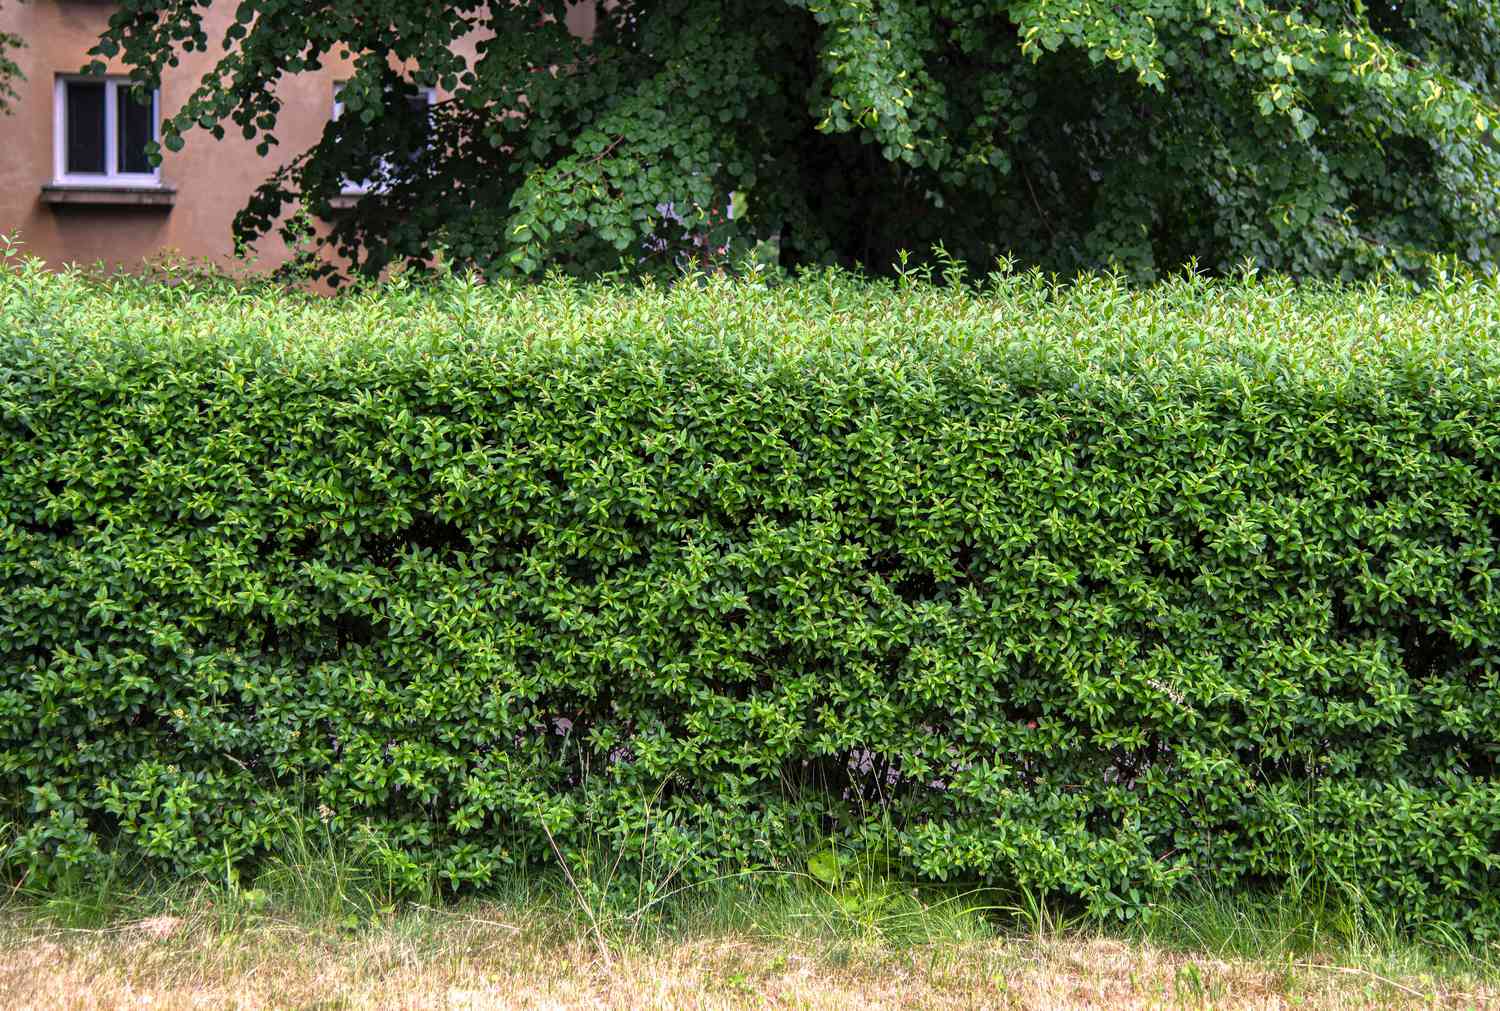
(605, 153)
(491, 923)
(1035, 202)
(236, 761)
(594, 160)
(1351, 971)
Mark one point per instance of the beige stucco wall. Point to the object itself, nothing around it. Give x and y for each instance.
(212, 178)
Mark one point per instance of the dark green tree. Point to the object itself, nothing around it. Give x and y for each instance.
(1324, 138)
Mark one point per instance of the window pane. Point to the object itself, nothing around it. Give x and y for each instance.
(85, 125)
(136, 131)
(422, 110)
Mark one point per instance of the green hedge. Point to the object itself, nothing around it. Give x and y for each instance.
(1078, 588)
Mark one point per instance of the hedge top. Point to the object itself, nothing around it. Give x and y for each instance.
(1221, 332)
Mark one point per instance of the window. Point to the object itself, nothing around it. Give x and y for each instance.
(101, 132)
(419, 103)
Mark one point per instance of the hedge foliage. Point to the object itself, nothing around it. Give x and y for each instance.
(1073, 587)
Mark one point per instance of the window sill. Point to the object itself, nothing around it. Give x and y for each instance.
(114, 196)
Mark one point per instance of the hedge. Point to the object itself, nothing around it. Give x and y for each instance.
(1077, 588)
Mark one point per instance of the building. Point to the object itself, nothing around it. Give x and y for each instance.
(74, 181)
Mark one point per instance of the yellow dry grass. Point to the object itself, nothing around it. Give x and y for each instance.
(481, 958)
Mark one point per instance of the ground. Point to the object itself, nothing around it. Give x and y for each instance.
(482, 956)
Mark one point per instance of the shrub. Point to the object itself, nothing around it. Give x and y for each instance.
(1075, 588)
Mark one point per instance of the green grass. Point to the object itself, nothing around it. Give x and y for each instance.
(321, 882)
(319, 926)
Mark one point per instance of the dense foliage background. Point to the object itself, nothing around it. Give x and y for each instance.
(1328, 138)
(1087, 589)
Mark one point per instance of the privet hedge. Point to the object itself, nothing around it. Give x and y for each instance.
(1077, 588)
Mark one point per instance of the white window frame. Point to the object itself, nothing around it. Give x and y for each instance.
(359, 189)
(111, 176)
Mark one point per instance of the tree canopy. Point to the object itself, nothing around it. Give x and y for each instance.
(1320, 138)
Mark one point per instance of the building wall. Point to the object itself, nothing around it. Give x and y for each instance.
(213, 179)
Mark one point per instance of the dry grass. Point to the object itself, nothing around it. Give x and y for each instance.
(486, 956)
